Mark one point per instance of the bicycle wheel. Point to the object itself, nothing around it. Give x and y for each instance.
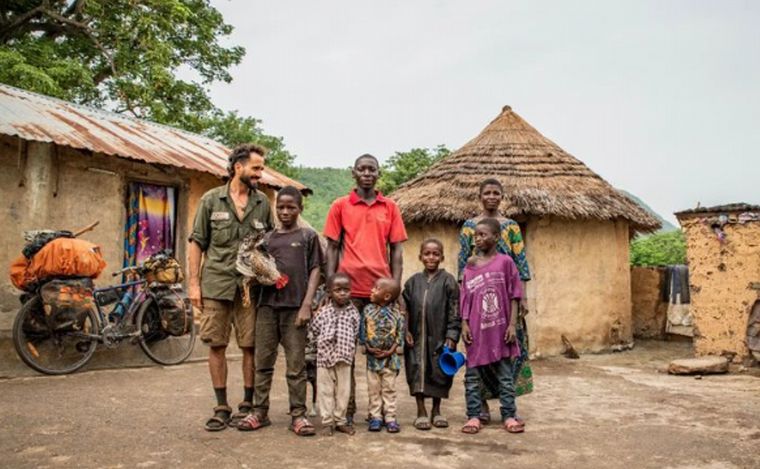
(56, 352)
(159, 346)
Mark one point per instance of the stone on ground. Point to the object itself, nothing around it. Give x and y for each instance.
(698, 366)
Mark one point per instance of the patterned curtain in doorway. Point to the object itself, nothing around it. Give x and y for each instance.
(151, 214)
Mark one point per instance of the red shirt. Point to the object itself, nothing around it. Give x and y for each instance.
(367, 230)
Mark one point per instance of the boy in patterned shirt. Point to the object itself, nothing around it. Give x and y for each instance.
(334, 329)
(382, 334)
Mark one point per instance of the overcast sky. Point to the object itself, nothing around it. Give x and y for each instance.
(661, 98)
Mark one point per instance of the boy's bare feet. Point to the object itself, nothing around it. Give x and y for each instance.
(327, 431)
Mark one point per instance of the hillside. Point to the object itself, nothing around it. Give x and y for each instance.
(666, 225)
(328, 184)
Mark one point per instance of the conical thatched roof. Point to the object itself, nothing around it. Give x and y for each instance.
(539, 177)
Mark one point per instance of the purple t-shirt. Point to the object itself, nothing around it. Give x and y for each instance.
(487, 291)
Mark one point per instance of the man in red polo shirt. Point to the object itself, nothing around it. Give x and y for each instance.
(361, 228)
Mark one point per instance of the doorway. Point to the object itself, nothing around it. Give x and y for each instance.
(151, 221)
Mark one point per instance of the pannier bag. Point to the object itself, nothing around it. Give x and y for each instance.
(61, 257)
(35, 323)
(174, 310)
(66, 303)
(163, 270)
(107, 297)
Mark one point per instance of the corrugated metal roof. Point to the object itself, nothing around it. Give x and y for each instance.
(36, 117)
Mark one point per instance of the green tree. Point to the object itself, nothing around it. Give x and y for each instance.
(405, 166)
(232, 129)
(152, 59)
(666, 248)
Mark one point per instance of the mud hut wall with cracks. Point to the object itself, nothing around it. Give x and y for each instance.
(576, 230)
(723, 253)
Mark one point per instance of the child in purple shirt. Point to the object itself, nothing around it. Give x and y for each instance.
(490, 292)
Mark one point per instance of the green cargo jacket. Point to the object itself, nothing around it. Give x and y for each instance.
(218, 232)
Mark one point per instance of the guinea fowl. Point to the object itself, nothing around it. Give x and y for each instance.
(256, 264)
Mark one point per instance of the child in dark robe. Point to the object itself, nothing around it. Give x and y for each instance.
(432, 303)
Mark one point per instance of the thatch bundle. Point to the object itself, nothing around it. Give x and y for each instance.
(539, 177)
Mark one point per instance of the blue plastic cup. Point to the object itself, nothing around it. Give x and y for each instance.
(450, 362)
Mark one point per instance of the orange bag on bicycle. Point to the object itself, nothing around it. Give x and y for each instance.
(69, 257)
(62, 257)
(21, 278)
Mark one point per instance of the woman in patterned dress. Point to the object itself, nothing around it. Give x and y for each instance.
(510, 243)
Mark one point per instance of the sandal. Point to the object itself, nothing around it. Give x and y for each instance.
(422, 423)
(485, 414)
(244, 408)
(253, 422)
(375, 425)
(392, 426)
(220, 420)
(347, 429)
(439, 421)
(327, 431)
(302, 427)
(472, 426)
(513, 425)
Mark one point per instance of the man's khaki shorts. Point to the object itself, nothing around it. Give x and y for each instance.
(217, 318)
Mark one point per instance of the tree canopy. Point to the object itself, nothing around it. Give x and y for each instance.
(405, 166)
(659, 249)
(232, 129)
(152, 59)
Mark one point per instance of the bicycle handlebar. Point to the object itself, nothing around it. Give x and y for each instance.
(140, 269)
(133, 268)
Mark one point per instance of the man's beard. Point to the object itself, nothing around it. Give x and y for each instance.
(249, 183)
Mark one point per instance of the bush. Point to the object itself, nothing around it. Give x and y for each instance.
(659, 249)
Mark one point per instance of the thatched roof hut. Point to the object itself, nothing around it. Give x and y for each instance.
(576, 228)
(543, 179)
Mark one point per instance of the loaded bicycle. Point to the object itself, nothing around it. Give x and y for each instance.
(63, 319)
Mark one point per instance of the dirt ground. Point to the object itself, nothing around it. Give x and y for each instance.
(609, 411)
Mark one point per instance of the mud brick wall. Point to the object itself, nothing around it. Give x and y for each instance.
(720, 276)
(649, 312)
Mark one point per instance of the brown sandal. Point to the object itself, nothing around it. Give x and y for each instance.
(347, 429)
(220, 420)
(244, 408)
